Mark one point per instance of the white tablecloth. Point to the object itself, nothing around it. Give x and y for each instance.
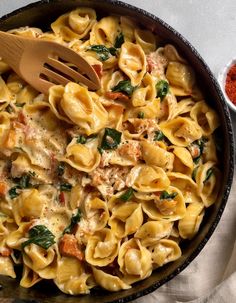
(210, 25)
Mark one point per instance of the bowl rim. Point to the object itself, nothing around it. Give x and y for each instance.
(228, 123)
(222, 78)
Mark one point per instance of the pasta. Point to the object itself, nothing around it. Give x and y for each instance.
(100, 188)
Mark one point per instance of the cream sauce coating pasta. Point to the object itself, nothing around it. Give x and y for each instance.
(100, 188)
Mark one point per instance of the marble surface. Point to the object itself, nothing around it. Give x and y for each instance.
(211, 27)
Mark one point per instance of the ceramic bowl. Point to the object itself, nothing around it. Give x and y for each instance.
(222, 78)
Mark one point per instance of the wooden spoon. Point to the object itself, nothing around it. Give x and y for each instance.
(41, 63)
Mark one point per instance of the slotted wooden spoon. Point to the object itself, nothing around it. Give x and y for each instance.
(41, 63)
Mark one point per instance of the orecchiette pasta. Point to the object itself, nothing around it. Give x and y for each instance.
(100, 188)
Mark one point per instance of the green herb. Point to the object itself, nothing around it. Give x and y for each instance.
(9, 109)
(141, 115)
(81, 139)
(60, 168)
(159, 136)
(200, 144)
(125, 87)
(24, 182)
(19, 104)
(111, 139)
(194, 173)
(41, 236)
(74, 220)
(112, 51)
(166, 196)
(119, 40)
(162, 88)
(209, 173)
(13, 192)
(65, 187)
(127, 195)
(103, 52)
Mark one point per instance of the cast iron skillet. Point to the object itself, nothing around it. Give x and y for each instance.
(41, 14)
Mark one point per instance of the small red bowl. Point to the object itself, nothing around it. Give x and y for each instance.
(222, 79)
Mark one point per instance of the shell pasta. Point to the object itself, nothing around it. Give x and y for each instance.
(100, 188)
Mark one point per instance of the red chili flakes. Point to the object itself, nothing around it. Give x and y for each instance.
(230, 84)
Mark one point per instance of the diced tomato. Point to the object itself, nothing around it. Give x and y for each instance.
(68, 246)
(116, 95)
(21, 118)
(150, 64)
(98, 69)
(62, 197)
(3, 188)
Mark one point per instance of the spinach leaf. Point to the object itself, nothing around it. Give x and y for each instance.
(209, 173)
(159, 136)
(22, 183)
(162, 88)
(41, 236)
(199, 144)
(65, 187)
(166, 196)
(124, 86)
(126, 196)
(60, 169)
(74, 220)
(81, 139)
(119, 40)
(111, 139)
(13, 192)
(103, 52)
(141, 115)
(19, 104)
(9, 109)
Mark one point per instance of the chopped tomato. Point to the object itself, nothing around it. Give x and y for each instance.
(116, 95)
(98, 69)
(62, 197)
(69, 247)
(3, 188)
(21, 118)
